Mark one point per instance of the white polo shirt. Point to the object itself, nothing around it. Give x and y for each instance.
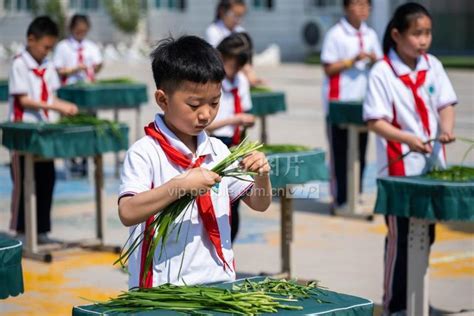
(23, 81)
(217, 31)
(146, 166)
(66, 55)
(390, 99)
(226, 107)
(342, 42)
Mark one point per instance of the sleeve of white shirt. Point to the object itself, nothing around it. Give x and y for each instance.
(244, 91)
(377, 103)
(329, 51)
(212, 35)
(60, 58)
(444, 89)
(53, 78)
(136, 176)
(377, 47)
(96, 54)
(18, 78)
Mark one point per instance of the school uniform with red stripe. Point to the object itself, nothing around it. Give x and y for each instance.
(410, 100)
(204, 247)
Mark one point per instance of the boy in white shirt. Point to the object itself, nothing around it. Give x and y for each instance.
(31, 86)
(349, 50)
(157, 170)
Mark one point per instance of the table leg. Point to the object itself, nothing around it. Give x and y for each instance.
(286, 232)
(418, 260)
(31, 231)
(99, 198)
(353, 169)
(116, 154)
(263, 131)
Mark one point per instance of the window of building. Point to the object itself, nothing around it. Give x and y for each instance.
(17, 5)
(171, 4)
(263, 4)
(84, 5)
(326, 3)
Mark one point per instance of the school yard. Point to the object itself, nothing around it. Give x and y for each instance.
(346, 255)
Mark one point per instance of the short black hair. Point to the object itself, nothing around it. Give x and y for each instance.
(42, 26)
(238, 46)
(346, 3)
(77, 18)
(188, 58)
(224, 6)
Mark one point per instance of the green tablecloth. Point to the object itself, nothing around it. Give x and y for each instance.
(264, 103)
(345, 113)
(425, 198)
(11, 277)
(106, 95)
(3, 90)
(57, 141)
(340, 305)
(297, 167)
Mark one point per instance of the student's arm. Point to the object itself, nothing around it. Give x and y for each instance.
(138, 208)
(260, 195)
(331, 69)
(67, 71)
(242, 119)
(63, 107)
(390, 132)
(446, 118)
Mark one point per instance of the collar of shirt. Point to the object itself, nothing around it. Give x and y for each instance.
(75, 44)
(348, 28)
(204, 144)
(30, 62)
(220, 24)
(402, 69)
(228, 85)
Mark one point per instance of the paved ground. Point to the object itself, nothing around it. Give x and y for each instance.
(346, 255)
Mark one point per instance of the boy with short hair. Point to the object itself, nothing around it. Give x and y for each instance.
(175, 158)
(32, 83)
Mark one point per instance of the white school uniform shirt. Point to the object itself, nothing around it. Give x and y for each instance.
(217, 31)
(146, 166)
(226, 107)
(390, 99)
(342, 42)
(22, 81)
(66, 55)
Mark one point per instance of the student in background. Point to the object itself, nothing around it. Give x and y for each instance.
(231, 120)
(32, 83)
(349, 50)
(410, 101)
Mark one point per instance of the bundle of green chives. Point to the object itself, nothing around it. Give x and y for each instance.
(289, 289)
(164, 222)
(86, 119)
(196, 299)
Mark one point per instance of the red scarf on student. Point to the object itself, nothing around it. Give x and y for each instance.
(204, 202)
(44, 88)
(237, 110)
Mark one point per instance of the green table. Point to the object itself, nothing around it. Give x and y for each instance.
(424, 201)
(289, 169)
(3, 90)
(109, 96)
(265, 103)
(49, 141)
(348, 114)
(340, 305)
(11, 276)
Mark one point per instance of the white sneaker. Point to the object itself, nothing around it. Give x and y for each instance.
(44, 239)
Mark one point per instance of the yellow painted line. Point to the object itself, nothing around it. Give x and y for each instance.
(51, 290)
(452, 265)
(451, 258)
(443, 233)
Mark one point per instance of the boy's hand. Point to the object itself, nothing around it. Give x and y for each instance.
(447, 137)
(65, 108)
(256, 162)
(198, 181)
(245, 119)
(417, 145)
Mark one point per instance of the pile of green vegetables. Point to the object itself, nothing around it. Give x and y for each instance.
(100, 125)
(165, 221)
(247, 298)
(260, 89)
(283, 148)
(453, 174)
